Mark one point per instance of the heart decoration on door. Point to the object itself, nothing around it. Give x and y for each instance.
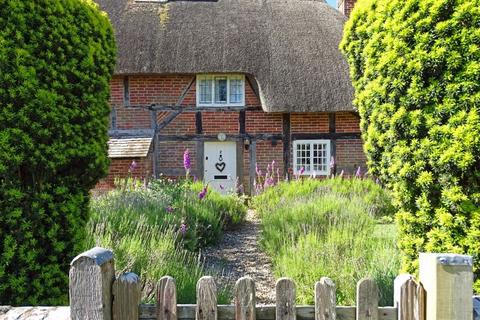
(220, 166)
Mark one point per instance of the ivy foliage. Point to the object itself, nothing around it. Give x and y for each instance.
(415, 66)
(56, 60)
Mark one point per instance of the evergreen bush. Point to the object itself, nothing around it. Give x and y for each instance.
(56, 60)
(415, 66)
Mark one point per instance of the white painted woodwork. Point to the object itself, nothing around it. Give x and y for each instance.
(220, 165)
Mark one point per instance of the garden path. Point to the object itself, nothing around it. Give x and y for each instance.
(239, 254)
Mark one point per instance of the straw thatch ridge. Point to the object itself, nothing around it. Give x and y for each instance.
(290, 47)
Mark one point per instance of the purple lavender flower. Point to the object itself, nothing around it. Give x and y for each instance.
(269, 182)
(258, 171)
(187, 164)
(302, 170)
(278, 175)
(222, 187)
(133, 166)
(183, 229)
(332, 163)
(203, 193)
(169, 209)
(358, 174)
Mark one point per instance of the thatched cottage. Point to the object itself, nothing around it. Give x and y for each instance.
(240, 83)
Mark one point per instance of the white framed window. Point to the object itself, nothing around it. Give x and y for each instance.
(214, 90)
(313, 156)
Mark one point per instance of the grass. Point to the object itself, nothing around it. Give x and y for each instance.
(314, 228)
(143, 226)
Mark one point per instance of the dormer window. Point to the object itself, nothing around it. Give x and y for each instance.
(220, 90)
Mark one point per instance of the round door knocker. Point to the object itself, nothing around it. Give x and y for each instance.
(220, 165)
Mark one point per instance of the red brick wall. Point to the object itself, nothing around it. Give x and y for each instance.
(309, 122)
(350, 156)
(347, 122)
(161, 89)
(119, 169)
(346, 6)
(220, 121)
(170, 162)
(182, 124)
(261, 122)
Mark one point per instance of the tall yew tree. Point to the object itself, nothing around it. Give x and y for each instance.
(415, 66)
(56, 60)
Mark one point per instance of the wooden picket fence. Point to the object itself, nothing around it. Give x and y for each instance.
(127, 287)
(95, 293)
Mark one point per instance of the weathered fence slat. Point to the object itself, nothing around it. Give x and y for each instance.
(325, 300)
(166, 299)
(91, 276)
(285, 298)
(411, 305)
(265, 312)
(245, 299)
(126, 297)
(421, 302)
(367, 300)
(206, 299)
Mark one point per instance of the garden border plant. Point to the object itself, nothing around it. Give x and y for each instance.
(334, 225)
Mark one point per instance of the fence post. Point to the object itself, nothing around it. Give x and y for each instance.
(325, 299)
(91, 276)
(206, 299)
(126, 297)
(245, 299)
(285, 299)
(166, 299)
(448, 282)
(367, 300)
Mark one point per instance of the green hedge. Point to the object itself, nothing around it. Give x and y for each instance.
(56, 60)
(415, 66)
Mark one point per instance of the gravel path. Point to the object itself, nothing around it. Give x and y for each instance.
(239, 254)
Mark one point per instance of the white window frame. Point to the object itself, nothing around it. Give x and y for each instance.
(229, 78)
(311, 171)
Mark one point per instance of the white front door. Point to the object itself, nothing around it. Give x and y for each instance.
(221, 165)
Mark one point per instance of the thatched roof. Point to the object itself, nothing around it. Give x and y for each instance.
(290, 47)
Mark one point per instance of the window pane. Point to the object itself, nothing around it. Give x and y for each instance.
(220, 90)
(320, 157)
(303, 159)
(205, 87)
(236, 91)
